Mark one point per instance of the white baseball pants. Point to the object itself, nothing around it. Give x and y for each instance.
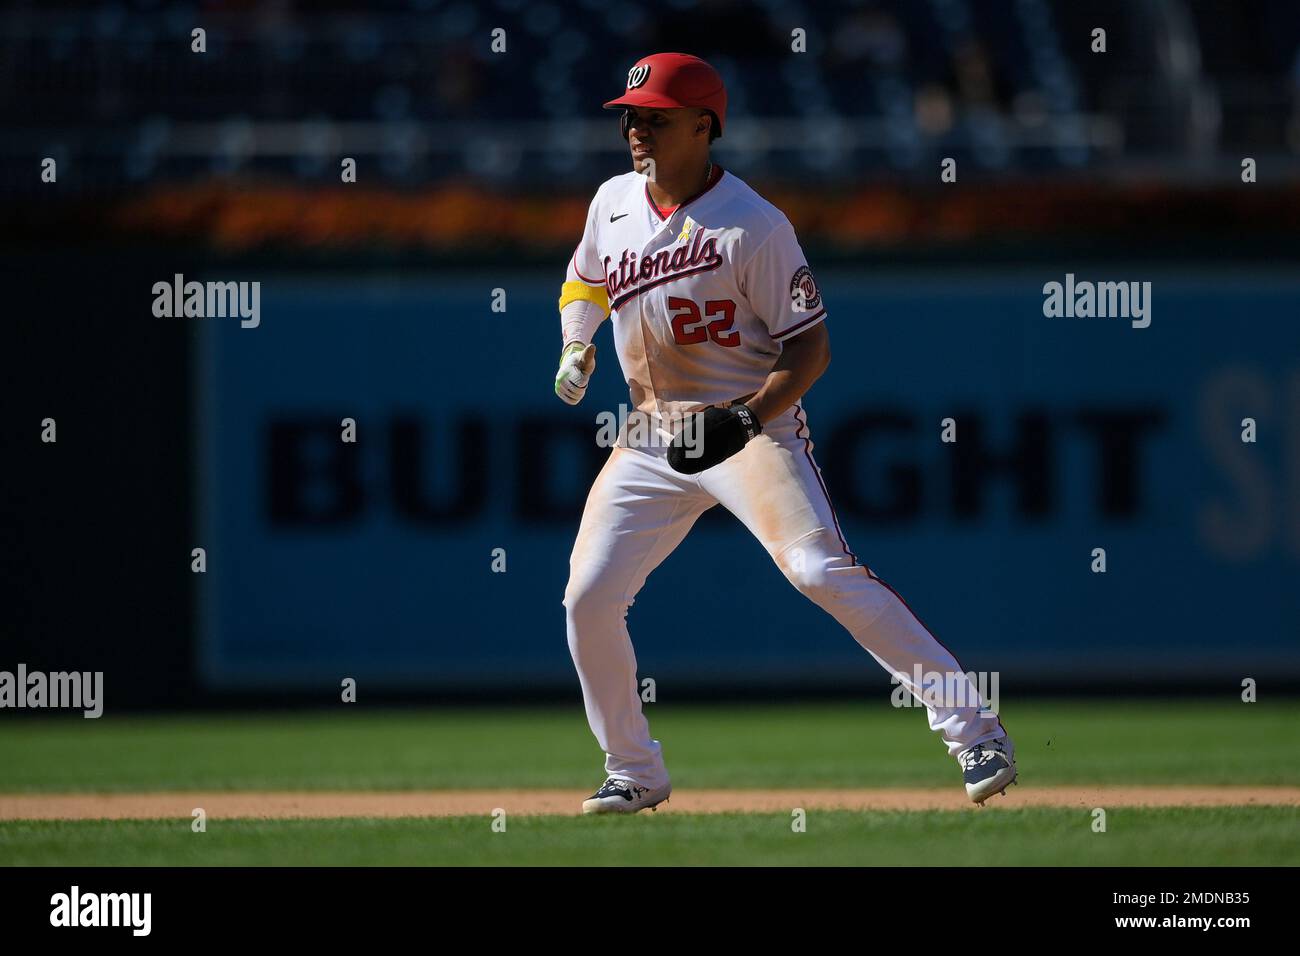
(639, 510)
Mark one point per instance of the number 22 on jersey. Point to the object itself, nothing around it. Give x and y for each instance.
(691, 328)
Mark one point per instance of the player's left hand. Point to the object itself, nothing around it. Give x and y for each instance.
(713, 436)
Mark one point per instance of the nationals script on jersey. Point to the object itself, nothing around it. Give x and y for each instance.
(701, 300)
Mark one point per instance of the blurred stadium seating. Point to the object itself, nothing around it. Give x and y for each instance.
(414, 91)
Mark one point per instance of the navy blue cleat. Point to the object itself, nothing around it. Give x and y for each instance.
(623, 796)
(988, 768)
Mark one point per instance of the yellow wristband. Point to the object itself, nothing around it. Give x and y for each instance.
(580, 291)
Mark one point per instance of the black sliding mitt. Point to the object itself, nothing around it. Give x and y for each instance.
(712, 436)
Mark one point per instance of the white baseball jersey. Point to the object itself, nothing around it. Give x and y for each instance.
(701, 300)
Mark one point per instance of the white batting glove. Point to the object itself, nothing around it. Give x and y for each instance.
(577, 362)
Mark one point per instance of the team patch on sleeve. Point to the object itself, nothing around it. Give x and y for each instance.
(804, 293)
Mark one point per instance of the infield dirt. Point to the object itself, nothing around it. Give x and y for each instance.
(441, 803)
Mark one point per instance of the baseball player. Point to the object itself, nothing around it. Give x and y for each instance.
(720, 329)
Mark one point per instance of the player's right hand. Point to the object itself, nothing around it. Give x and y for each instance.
(577, 362)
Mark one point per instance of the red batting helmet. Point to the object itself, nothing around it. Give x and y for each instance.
(672, 81)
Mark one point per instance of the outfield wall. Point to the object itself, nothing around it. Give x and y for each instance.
(374, 560)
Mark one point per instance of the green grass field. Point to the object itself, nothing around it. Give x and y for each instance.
(1194, 743)
(1037, 837)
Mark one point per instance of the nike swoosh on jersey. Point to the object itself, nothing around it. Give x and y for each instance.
(614, 218)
